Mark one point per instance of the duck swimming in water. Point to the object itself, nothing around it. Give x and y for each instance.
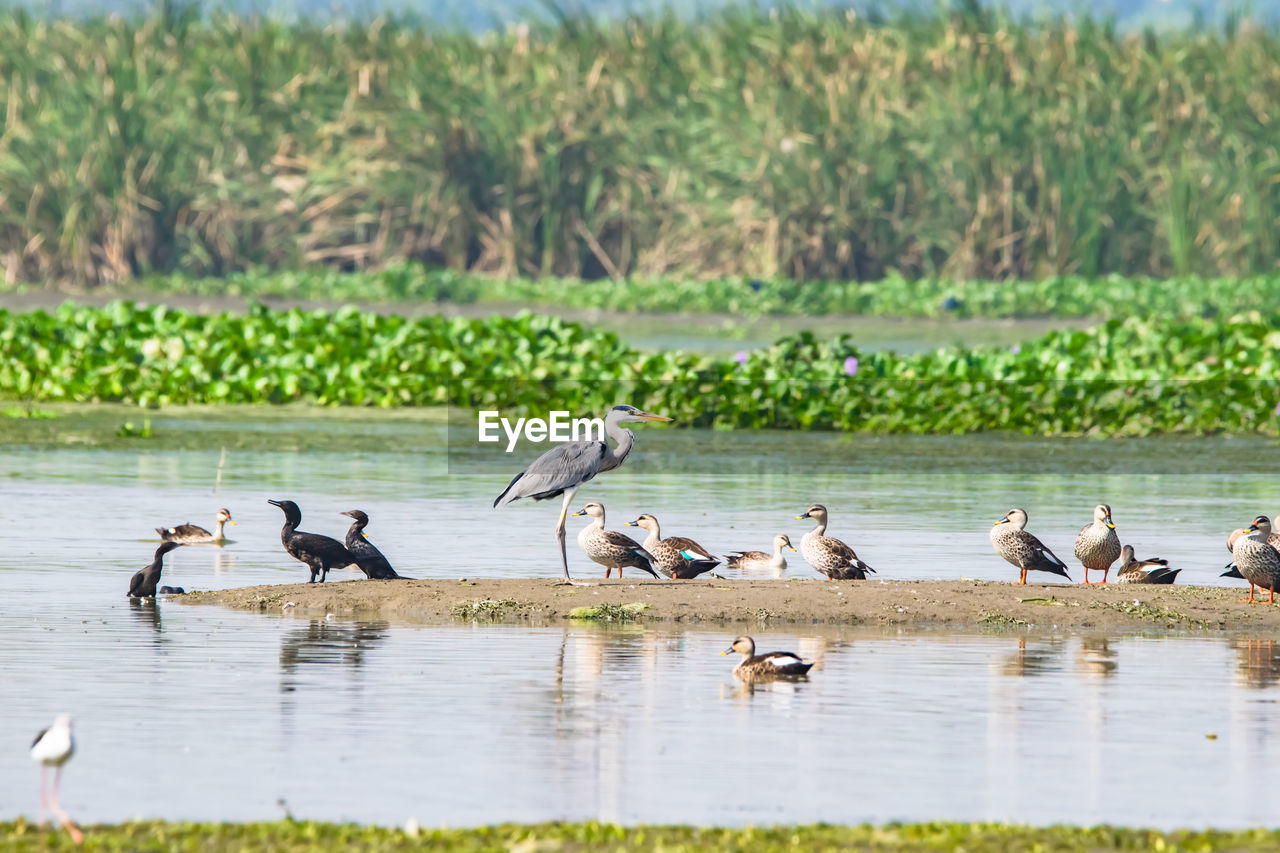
(367, 556)
(677, 557)
(768, 665)
(320, 553)
(193, 534)
(609, 548)
(1015, 544)
(143, 583)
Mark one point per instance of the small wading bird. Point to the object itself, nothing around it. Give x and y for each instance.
(768, 665)
(1151, 570)
(565, 467)
(609, 548)
(827, 554)
(143, 583)
(366, 554)
(1098, 545)
(1015, 544)
(759, 560)
(1257, 560)
(320, 553)
(192, 534)
(676, 557)
(53, 747)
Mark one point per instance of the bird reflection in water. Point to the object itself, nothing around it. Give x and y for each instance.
(224, 562)
(147, 613)
(1096, 657)
(326, 643)
(1033, 657)
(778, 687)
(1259, 662)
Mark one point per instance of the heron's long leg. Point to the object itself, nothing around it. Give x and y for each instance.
(44, 788)
(564, 513)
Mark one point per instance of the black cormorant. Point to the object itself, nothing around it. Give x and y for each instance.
(320, 553)
(367, 556)
(143, 584)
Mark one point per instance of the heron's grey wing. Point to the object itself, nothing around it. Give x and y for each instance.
(564, 466)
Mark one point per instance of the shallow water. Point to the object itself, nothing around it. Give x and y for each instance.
(189, 712)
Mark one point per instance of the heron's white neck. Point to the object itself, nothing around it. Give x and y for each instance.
(614, 456)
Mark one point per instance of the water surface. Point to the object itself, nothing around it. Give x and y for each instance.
(187, 712)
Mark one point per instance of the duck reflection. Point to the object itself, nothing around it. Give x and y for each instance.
(224, 562)
(1034, 657)
(778, 687)
(1258, 662)
(326, 643)
(1096, 657)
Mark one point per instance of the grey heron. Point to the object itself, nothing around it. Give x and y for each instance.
(565, 467)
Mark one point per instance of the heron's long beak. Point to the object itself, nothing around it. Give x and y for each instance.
(649, 416)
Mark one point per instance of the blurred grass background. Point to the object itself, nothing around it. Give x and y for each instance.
(802, 144)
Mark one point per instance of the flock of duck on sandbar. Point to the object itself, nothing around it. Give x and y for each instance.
(562, 470)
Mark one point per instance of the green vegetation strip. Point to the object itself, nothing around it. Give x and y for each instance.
(305, 837)
(1131, 377)
(812, 144)
(610, 612)
(894, 296)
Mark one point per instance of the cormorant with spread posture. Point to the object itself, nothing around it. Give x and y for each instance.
(367, 556)
(143, 584)
(320, 553)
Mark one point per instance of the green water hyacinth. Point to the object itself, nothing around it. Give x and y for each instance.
(1124, 377)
